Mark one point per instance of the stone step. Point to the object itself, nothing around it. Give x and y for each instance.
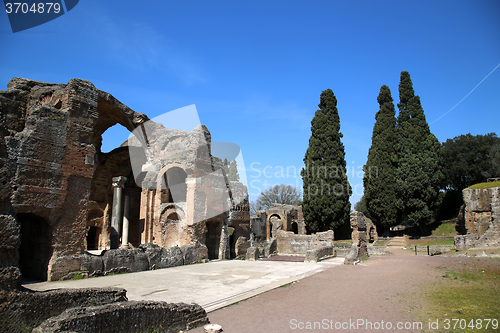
(396, 242)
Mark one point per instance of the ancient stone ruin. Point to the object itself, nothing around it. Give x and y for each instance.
(278, 217)
(359, 249)
(61, 196)
(480, 215)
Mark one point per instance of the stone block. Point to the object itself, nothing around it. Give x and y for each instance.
(252, 253)
(125, 260)
(316, 254)
(159, 257)
(142, 316)
(92, 264)
(435, 250)
(464, 242)
(189, 254)
(21, 311)
(271, 248)
(241, 246)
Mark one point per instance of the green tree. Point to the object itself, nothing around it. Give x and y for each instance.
(494, 171)
(233, 172)
(380, 170)
(360, 206)
(469, 159)
(326, 188)
(419, 173)
(282, 194)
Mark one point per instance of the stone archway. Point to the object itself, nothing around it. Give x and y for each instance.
(36, 247)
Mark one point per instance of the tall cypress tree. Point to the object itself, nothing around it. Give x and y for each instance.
(419, 172)
(326, 189)
(380, 170)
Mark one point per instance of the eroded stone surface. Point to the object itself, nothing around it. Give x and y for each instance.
(481, 218)
(134, 316)
(359, 249)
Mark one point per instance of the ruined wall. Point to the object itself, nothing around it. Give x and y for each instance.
(284, 217)
(50, 135)
(290, 243)
(57, 184)
(481, 217)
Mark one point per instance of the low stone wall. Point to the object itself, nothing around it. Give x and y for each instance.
(143, 316)
(316, 254)
(464, 242)
(21, 311)
(493, 251)
(290, 243)
(145, 257)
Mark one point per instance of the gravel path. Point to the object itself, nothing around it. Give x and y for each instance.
(380, 292)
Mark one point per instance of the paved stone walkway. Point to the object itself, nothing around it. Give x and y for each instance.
(212, 285)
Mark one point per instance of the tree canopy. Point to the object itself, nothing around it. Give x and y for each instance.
(326, 189)
(419, 173)
(282, 194)
(380, 170)
(470, 159)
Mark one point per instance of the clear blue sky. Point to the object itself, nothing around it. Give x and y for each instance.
(255, 69)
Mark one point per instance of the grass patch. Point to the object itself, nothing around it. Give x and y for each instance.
(430, 242)
(77, 276)
(485, 185)
(445, 229)
(469, 292)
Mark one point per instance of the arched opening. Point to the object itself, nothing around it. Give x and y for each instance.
(176, 183)
(113, 137)
(295, 228)
(171, 230)
(36, 247)
(214, 229)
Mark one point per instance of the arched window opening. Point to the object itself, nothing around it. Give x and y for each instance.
(113, 137)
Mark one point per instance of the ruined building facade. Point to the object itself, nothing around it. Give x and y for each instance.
(284, 217)
(61, 196)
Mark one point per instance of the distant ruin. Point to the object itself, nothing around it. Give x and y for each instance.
(284, 217)
(61, 196)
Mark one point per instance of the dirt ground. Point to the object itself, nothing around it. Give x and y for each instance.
(379, 295)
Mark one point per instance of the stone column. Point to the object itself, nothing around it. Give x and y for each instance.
(118, 183)
(126, 217)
